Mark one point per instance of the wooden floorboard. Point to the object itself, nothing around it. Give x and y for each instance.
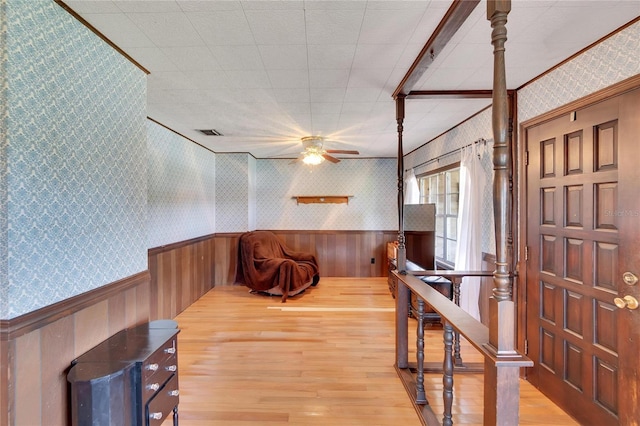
(318, 359)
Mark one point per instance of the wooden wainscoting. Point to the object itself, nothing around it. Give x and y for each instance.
(344, 253)
(38, 347)
(4, 380)
(339, 253)
(180, 274)
(226, 258)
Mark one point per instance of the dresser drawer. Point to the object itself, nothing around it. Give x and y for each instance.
(163, 402)
(157, 369)
(161, 359)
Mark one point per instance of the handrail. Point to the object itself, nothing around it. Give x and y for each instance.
(474, 331)
(448, 273)
(456, 279)
(455, 319)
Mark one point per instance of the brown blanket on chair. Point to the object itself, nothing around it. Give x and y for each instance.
(265, 264)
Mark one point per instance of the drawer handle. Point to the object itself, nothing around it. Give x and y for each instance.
(156, 415)
(152, 367)
(170, 351)
(174, 392)
(154, 387)
(172, 368)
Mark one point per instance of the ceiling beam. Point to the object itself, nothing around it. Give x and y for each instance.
(450, 23)
(450, 94)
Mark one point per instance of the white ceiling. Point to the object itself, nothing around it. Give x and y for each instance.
(266, 73)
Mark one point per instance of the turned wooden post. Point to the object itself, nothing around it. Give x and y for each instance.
(501, 387)
(501, 315)
(455, 282)
(447, 376)
(421, 397)
(402, 249)
(402, 292)
(402, 326)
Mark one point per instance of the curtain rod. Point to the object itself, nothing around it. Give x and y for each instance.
(481, 140)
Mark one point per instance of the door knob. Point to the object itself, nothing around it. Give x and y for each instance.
(626, 302)
(629, 278)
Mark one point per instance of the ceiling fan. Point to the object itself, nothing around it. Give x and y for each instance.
(314, 152)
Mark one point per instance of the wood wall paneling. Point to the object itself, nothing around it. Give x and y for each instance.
(344, 261)
(196, 271)
(27, 380)
(180, 274)
(4, 381)
(140, 311)
(204, 256)
(167, 291)
(183, 263)
(116, 315)
(339, 253)
(132, 311)
(56, 351)
(37, 348)
(343, 253)
(226, 258)
(91, 326)
(152, 264)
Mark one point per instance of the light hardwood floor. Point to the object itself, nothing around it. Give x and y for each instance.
(323, 358)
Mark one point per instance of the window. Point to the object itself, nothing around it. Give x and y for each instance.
(442, 189)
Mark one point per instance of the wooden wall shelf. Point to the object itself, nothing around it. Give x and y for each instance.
(322, 199)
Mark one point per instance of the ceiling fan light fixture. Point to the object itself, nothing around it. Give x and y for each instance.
(312, 142)
(313, 153)
(312, 158)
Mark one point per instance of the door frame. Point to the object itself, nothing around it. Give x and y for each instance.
(614, 90)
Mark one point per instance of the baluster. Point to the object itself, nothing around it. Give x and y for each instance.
(447, 376)
(175, 416)
(457, 358)
(421, 398)
(403, 310)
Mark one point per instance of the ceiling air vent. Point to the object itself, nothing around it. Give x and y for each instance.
(210, 132)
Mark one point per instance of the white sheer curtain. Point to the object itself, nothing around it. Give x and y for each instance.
(469, 247)
(411, 189)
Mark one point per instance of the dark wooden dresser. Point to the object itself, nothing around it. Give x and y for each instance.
(130, 379)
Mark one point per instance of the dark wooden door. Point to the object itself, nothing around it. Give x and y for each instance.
(583, 234)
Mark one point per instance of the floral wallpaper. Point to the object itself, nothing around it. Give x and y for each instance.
(181, 195)
(73, 159)
(615, 59)
(252, 165)
(233, 192)
(4, 257)
(371, 182)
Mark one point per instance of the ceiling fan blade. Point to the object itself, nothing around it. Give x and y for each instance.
(342, 151)
(295, 160)
(330, 158)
